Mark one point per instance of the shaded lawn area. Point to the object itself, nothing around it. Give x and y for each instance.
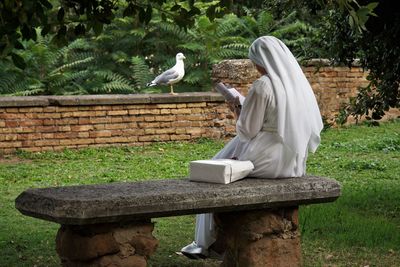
(361, 228)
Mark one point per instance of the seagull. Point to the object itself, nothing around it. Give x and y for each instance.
(171, 76)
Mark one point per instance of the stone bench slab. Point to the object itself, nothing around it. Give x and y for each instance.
(115, 202)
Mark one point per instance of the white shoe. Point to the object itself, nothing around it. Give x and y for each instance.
(193, 251)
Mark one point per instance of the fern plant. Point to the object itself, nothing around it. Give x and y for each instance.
(82, 67)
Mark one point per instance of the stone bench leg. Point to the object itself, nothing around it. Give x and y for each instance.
(260, 238)
(100, 245)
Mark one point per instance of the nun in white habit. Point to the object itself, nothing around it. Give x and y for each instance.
(278, 124)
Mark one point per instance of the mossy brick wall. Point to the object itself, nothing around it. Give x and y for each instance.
(54, 123)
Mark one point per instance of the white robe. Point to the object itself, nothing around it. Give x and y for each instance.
(257, 140)
(279, 123)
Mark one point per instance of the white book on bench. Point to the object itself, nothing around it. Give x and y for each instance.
(221, 171)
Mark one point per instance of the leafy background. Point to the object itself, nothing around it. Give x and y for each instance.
(127, 53)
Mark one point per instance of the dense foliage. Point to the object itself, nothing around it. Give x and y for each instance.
(379, 52)
(127, 53)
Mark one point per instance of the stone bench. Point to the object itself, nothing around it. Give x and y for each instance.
(110, 224)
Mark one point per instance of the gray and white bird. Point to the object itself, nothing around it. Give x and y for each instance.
(171, 76)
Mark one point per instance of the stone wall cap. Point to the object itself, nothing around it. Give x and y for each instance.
(90, 204)
(24, 101)
(118, 99)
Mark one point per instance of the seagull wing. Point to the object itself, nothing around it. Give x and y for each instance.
(166, 77)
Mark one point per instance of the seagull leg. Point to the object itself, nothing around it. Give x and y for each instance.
(172, 91)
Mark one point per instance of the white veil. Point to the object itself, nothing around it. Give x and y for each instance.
(299, 118)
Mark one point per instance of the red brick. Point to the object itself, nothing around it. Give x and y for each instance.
(31, 122)
(46, 129)
(101, 108)
(180, 137)
(163, 137)
(11, 137)
(99, 126)
(117, 112)
(165, 111)
(149, 125)
(18, 130)
(116, 132)
(29, 136)
(190, 117)
(28, 143)
(197, 110)
(100, 113)
(46, 136)
(83, 113)
(180, 130)
(181, 111)
(196, 105)
(129, 118)
(84, 120)
(134, 111)
(48, 115)
(117, 107)
(66, 135)
(104, 133)
(148, 131)
(195, 131)
(165, 118)
(49, 122)
(116, 119)
(83, 134)
(132, 132)
(115, 126)
(147, 138)
(81, 128)
(64, 128)
(149, 118)
(161, 106)
(132, 138)
(119, 139)
(67, 121)
(149, 111)
(49, 142)
(13, 123)
(100, 120)
(8, 144)
(76, 141)
(180, 123)
(199, 123)
(102, 140)
(10, 116)
(165, 124)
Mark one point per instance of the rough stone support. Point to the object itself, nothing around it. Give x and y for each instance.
(260, 238)
(101, 245)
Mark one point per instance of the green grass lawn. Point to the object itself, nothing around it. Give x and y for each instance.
(361, 228)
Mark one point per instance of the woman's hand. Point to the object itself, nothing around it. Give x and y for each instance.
(235, 106)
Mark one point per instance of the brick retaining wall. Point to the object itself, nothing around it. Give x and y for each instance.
(57, 122)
